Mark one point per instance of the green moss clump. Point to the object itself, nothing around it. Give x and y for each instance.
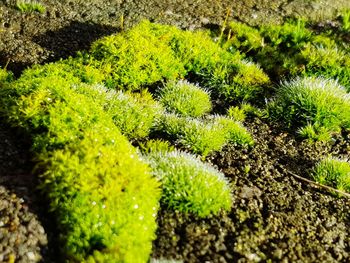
(321, 103)
(189, 185)
(149, 53)
(102, 194)
(292, 49)
(140, 56)
(5, 77)
(185, 99)
(133, 113)
(26, 6)
(203, 136)
(333, 172)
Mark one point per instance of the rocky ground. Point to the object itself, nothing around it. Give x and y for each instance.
(274, 216)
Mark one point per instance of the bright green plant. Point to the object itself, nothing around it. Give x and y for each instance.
(236, 113)
(134, 114)
(346, 20)
(290, 49)
(311, 102)
(5, 76)
(235, 82)
(26, 6)
(203, 136)
(189, 185)
(102, 194)
(243, 38)
(327, 62)
(333, 172)
(140, 56)
(185, 99)
(315, 133)
(158, 145)
(235, 133)
(150, 53)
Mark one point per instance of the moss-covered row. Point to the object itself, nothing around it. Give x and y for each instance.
(104, 197)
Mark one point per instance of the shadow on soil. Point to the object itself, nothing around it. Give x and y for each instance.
(75, 37)
(17, 178)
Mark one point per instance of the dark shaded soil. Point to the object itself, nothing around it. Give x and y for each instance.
(274, 216)
(23, 215)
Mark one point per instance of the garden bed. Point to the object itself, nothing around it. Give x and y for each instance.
(274, 215)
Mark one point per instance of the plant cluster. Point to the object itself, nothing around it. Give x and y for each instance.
(291, 49)
(103, 195)
(189, 185)
(185, 99)
(333, 172)
(150, 53)
(316, 105)
(203, 136)
(28, 6)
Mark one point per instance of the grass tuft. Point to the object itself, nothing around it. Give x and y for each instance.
(27, 6)
(189, 185)
(333, 172)
(185, 99)
(316, 105)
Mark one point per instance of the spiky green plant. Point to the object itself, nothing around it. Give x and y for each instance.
(203, 136)
(333, 172)
(185, 99)
(319, 102)
(27, 6)
(189, 185)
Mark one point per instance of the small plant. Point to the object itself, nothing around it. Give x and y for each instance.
(28, 6)
(189, 185)
(133, 113)
(346, 20)
(185, 99)
(244, 38)
(159, 146)
(203, 136)
(236, 113)
(333, 172)
(317, 104)
(5, 76)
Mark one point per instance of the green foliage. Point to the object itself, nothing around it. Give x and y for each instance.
(236, 113)
(291, 49)
(26, 6)
(234, 82)
(328, 62)
(346, 20)
(333, 172)
(189, 185)
(159, 146)
(243, 37)
(5, 76)
(315, 133)
(150, 53)
(317, 104)
(203, 136)
(134, 114)
(185, 99)
(140, 56)
(103, 195)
